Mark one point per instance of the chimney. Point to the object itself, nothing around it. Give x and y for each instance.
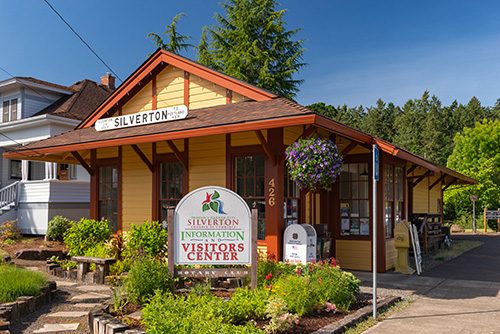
(108, 80)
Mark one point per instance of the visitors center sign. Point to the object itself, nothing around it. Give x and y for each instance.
(142, 118)
(212, 226)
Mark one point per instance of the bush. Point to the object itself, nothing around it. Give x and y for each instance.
(57, 227)
(85, 235)
(9, 231)
(296, 292)
(16, 282)
(247, 304)
(149, 238)
(269, 269)
(193, 314)
(145, 277)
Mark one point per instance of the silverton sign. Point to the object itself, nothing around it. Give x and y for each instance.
(142, 118)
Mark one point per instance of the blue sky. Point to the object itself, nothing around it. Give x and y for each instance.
(357, 50)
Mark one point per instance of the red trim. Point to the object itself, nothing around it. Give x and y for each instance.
(229, 96)
(163, 57)
(94, 185)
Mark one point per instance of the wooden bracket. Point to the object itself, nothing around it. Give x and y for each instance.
(421, 177)
(436, 182)
(177, 153)
(411, 169)
(83, 162)
(451, 183)
(349, 148)
(266, 147)
(307, 132)
(143, 157)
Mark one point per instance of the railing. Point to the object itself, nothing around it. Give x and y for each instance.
(429, 229)
(8, 195)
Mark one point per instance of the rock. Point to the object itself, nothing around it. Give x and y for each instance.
(39, 254)
(456, 228)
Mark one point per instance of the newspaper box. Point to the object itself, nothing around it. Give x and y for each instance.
(299, 244)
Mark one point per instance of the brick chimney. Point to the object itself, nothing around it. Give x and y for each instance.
(108, 80)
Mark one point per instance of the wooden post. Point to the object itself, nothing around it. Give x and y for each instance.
(498, 220)
(170, 250)
(254, 222)
(485, 221)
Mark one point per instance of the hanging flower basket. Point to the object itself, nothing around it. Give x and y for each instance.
(313, 163)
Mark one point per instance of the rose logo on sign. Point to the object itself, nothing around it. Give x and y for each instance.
(212, 202)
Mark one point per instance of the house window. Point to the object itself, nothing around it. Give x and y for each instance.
(354, 200)
(291, 201)
(15, 169)
(108, 196)
(393, 195)
(9, 110)
(170, 187)
(249, 180)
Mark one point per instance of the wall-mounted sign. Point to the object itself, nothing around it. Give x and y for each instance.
(212, 226)
(142, 118)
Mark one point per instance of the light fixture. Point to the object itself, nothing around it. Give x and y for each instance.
(364, 173)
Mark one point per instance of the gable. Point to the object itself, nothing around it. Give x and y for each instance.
(167, 80)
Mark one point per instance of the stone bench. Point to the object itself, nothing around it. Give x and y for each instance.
(101, 267)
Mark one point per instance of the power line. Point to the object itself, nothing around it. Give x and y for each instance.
(88, 46)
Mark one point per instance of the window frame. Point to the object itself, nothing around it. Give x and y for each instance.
(401, 203)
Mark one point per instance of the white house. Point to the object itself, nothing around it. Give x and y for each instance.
(31, 110)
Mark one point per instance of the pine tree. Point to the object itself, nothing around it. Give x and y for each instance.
(251, 43)
(176, 41)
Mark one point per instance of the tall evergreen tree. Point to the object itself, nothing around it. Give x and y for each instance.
(252, 43)
(176, 42)
(379, 120)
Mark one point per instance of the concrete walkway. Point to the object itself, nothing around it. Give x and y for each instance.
(459, 296)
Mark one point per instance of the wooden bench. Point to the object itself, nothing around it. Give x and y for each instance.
(101, 267)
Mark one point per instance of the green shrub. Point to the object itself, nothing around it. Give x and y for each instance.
(269, 269)
(57, 227)
(148, 238)
(296, 292)
(9, 231)
(121, 266)
(193, 314)
(16, 282)
(145, 277)
(247, 304)
(85, 235)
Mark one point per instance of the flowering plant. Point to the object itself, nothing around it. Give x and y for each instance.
(314, 163)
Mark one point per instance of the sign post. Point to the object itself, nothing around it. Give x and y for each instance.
(473, 198)
(213, 226)
(374, 226)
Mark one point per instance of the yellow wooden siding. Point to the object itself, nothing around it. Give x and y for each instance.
(390, 254)
(142, 101)
(290, 134)
(421, 197)
(262, 249)
(108, 152)
(207, 162)
(238, 98)
(162, 147)
(434, 195)
(137, 187)
(203, 93)
(354, 254)
(170, 87)
(246, 138)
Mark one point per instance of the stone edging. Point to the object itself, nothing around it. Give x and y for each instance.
(353, 319)
(102, 323)
(10, 312)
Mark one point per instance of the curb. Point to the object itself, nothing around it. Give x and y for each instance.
(352, 319)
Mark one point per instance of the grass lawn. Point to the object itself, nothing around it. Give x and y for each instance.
(16, 282)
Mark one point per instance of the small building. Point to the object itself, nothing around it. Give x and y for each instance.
(235, 136)
(33, 192)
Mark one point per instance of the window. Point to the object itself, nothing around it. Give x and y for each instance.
(354, 200)
(249, 181)
(170, 187)
(393, 194)
(108, 196)
(9, 112)
(15, 169)
(291, 201)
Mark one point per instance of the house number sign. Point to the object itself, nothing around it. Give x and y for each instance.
(272, 193)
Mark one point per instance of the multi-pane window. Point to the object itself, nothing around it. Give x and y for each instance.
(9, 110)
(249, 181)
(15, 169)
(108, 196)
(354, 200)
(170, 187)
(393, 195)
(291, 201)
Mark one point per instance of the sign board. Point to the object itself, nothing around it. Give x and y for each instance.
(142, 118)
(299, 244)
(416, 248)
(376, 168)
(212, 226)
(473, 198)
(492, 214)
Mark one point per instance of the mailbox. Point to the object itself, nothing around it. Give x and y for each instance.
(299, 243)
(402, 243)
